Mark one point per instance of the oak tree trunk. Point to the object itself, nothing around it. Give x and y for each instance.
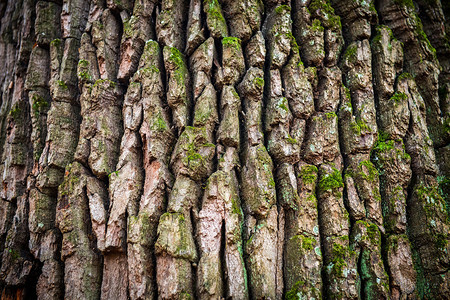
(224, 149)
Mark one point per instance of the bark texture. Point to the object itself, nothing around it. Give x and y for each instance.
(220, 149)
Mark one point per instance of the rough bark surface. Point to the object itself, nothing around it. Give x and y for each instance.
(219, 149)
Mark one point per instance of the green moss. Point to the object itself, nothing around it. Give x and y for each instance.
(331, 115)
(377, 38)
(39, 103)
(398, 97)
(177, 59)
(332, 182)
(271, 182)
(151, 47)
(235, 94)
(201, 116)
(312, 198)
(283, 9)
(347, 93)
(303, 243)
(382, 137)
(264, 159)
(372, 283)
(135, 84)
(62, 84)
(294, 46)
(295, 292)
(83, 63)
(444, 191)
(84, 75)
(307, 242)
(350, 52)
(160, 124)
(431, 200)
(405, 75)
(422, 35)
(373, 233)
(259, 82)
(283, 104)
(101, 82)
(56, 43)
(368, 171)
(235, 207)
(193, 157)
(335, 22)
(308, 174)
(70, 181)
(394, 242)
(15, 111)
(185, 296)
(406, 156)
(339, 254)
(363, 125)
(232, 42)
(358, 127)
(372, 7)
(116, 173)
(321, 5)
(446, 125)
(291, 140)
(383, 146)
(324, 8)
(128, 26)
(215, 18)
(407, 3)
(316, 25)
(149, 70)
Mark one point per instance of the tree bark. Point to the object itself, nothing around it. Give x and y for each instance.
(224, 149)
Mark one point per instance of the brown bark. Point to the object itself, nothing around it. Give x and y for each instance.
(224, 149)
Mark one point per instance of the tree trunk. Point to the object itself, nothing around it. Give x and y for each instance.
(224, 149)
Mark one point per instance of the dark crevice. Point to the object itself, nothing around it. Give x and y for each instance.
(32, 280)
(266, 92)
(323, 269)
(221, 5)
(92, 237)
(417, 261)
(203, 22)
(185, 20)
(154, 283)
(88, 224)
(165, 85)
(154, 14)
(286, 238)
(363, 282)
(384, 235)
(223, 264)
(194, 266)
(265, 102)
